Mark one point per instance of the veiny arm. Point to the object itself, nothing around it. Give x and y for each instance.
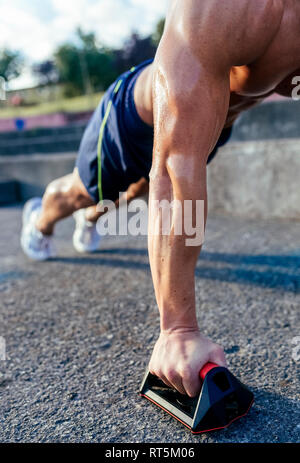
(190, 107)
(201, 43)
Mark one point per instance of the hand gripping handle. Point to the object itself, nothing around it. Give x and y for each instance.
(207, 367)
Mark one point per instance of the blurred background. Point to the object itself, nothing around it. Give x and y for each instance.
(59, 57)
(56, 60)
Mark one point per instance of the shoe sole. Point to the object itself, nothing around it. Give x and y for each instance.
(29, 207)
(82, 249)
(79, 247)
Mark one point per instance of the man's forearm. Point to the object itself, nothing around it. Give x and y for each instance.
(188, 120)
(172, 261)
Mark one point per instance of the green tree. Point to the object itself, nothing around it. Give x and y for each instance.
(11, 63)
(135, 50)
(67, 63)
(84, 67)
(46, 72)
(157, 34)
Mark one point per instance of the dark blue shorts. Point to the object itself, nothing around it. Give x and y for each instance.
(116, 148)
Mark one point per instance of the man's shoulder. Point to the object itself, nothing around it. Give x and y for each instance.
(239, 30)
(237, 12)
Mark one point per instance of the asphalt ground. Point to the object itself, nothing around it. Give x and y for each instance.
(79, 331)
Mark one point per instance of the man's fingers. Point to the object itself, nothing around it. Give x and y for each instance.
(170, 379)
(160, 375)
(218, 357)
(164, 379)
(182, 372)
(191, 384)
(176, 381)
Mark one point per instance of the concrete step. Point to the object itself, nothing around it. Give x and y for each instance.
(9, 192)
(269, 121)
(256, 179)
(33, 173)
(41, 141)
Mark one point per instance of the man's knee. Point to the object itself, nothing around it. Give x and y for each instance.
(79, 200)
(55, 189)
(67, 191)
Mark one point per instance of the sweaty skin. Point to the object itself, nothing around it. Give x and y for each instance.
(215, 60)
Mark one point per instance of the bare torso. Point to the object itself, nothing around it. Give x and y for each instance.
(270, 72)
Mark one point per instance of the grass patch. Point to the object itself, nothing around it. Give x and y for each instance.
(70, 105)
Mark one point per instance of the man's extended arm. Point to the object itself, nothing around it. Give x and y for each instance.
(190, 108)
(191, 89)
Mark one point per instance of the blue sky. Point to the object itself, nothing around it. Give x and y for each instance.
(36, 27)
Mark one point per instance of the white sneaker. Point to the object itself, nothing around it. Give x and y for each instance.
(85, 237)
(34, 244)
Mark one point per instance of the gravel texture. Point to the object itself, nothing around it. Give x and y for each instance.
(79, 332)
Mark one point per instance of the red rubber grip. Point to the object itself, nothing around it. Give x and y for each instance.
(207, 367)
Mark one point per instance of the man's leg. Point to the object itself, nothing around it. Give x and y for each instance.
(62, 198)
(86, 237)
(68, 194)
(135, 190)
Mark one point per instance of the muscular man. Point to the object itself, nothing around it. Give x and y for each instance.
(216, 59)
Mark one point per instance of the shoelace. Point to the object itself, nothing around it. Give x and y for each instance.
(45, 244)
(40, 242)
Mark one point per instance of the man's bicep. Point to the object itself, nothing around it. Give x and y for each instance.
(237, 31)
(190, 109)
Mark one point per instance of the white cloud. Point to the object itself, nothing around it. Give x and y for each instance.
(25, 26)
(26, 80)
(21, 30)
